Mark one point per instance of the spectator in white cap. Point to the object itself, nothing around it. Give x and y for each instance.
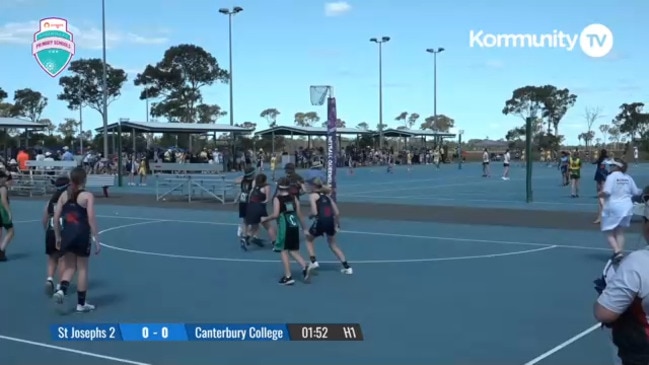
(67, 155)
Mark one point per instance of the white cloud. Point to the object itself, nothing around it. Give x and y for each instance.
(496, 64)
(337, 8)
(86, 37)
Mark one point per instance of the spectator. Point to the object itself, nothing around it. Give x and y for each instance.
(22, 159)
(67, 155)
(623, 305)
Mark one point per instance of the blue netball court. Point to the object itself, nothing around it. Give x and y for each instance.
(424, 292)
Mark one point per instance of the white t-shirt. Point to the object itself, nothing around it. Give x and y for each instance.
(506, 158)
(485, 157)
(626, 283)
(620, 189)
(635, 152)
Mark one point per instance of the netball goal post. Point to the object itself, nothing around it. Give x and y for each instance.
(321, 94)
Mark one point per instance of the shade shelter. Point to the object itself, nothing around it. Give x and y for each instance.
(132, 127)
(308, 132)
(17, 123)
(424, 134)
(21, 124)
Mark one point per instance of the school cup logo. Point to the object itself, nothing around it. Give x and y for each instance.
(53, 45)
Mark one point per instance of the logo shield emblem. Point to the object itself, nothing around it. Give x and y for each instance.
(53, 45)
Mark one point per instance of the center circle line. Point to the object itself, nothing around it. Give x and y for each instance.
(266, 261)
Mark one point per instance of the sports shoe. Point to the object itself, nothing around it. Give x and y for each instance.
(49, 288)
(58, 296)
(85, 308)
(244, 243)
(306, 273)
(257, 241)
(315, 265)
(347, 271)
(286, 281)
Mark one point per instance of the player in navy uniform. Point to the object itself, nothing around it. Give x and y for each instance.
(245, 184)
(295, 181)
(256, 210)
(326, 222)
(52, 253)
(286, 210)
(75, 226)
(5, 214)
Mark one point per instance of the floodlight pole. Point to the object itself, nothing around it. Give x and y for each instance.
(230, 13)
(104, 81)
(435, 52)
(379, 42)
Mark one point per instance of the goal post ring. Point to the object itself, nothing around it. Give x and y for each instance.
(320, 93)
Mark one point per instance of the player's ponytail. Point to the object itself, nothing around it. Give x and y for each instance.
(77, 181)
(321, 187)
(325, 189)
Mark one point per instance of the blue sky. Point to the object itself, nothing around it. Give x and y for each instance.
(283, 46)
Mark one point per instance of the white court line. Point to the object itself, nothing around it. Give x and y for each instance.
(259, 261)
(65, 349)
(564, 344)
(411, 188)
(407, 186)
(73, 351)
(405, 181)
(435, 198)
(382, 234)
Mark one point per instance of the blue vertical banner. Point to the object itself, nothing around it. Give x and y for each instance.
(332, 145)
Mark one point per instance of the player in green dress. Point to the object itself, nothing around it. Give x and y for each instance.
(5, 215)
(286, 210)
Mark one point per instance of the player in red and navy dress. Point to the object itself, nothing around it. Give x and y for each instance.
(326, 222)
(75, 228)
(53, 255)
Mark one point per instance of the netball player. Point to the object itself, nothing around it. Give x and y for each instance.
(390, 160)
(273, 163)
(485, 163)
(295, 181)
(574, 170)
(52, 253)
(143, 170)
(326, 223)
(409, 160)
(5, 215)
(76, 209)
(506, 162)
(563, 168)
(245, 185)
(600, 177)
(286, 210)
(256, 210)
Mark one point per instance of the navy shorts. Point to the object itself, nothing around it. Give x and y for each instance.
(322, 228)
(255, 212)
(50, 243)
(242, 210)
(80, 246)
